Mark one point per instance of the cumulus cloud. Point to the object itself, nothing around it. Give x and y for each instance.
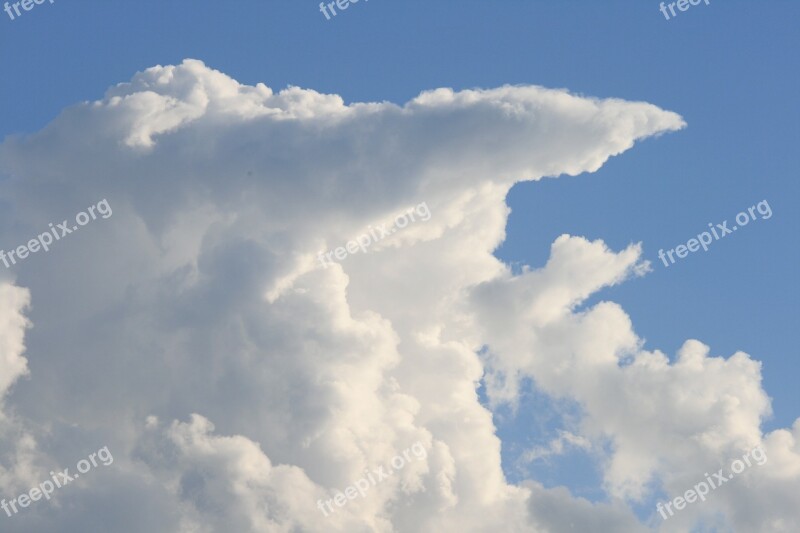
(13, 323)
(239, 382)
(18, 446)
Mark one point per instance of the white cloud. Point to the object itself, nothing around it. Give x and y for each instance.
(203, 295)
(18, 450)
(13, 323)
(557, 446)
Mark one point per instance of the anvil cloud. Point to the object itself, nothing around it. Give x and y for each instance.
(238, 381)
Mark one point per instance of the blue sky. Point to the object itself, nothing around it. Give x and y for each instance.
(729, 68)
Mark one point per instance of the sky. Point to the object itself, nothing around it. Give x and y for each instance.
(479, 333)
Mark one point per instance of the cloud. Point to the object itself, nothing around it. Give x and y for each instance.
(557, 510)
(557, 446)
(201, 303)
(18, 449)
(13, 323)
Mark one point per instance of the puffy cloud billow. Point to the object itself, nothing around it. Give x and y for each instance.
(238, 381)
